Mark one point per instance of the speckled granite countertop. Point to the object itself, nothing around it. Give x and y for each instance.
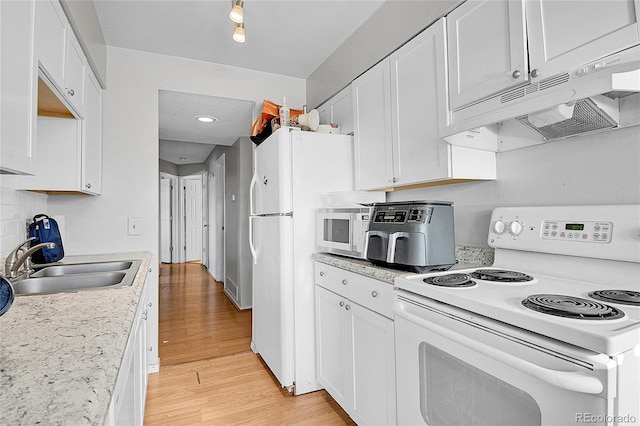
(60, 353)
(468, 257)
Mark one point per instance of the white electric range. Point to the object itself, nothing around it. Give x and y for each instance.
(549, 334)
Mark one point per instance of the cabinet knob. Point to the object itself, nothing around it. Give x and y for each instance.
(70, 92)
(150, 348)
(347, 307)
(144, 315)
(374, 293)
(344, 282)
(88, 186)
(341, 304)
(395, 180)
(516, 74)
(150, 304)
(535, 73)
(321, 274)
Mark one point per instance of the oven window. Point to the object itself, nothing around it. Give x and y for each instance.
(336, 230)
(453, 392)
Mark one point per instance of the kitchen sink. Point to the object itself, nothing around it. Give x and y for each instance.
(78, 277)
(82, 268)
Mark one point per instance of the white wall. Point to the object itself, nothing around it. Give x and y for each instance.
(598, 169)
(130, 145)
(16, 208)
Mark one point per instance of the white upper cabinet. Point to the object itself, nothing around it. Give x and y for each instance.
(596, 29)
(487, 49)
(372, 128)
(338, 110)
(18, 87)
(60, 57)
(497, 45)
(92, 137)
(51, 38)
(399, 106)
(74, 81)
(417, 91)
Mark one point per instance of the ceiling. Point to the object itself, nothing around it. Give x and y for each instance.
(202, 30)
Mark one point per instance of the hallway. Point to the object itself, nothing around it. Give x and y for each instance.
(208, 374)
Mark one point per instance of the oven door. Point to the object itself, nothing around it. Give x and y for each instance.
(456, 368)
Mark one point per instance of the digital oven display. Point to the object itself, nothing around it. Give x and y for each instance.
(574, 227)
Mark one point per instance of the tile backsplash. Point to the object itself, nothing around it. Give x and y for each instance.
(17, 208)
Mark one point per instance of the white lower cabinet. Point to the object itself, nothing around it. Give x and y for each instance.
(355, 344)
(130, 392)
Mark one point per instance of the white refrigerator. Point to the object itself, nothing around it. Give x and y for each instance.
(292, 169)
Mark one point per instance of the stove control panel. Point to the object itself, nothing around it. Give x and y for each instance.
(589, 232)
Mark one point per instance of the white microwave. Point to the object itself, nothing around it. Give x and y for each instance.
(341, 230)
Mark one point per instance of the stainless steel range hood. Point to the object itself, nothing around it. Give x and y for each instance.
(598, 96)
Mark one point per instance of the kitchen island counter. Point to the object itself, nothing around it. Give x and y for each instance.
(60, 353)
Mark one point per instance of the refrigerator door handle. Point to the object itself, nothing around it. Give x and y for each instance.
(254, 178)
(252, 248)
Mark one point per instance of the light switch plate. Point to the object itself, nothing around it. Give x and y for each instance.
(134, 225)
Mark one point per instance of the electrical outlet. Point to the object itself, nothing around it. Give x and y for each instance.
(134, 225)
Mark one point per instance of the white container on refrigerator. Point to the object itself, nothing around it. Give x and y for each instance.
(292, 170)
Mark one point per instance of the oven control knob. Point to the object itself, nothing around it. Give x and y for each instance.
(499, 227)
(515, 228)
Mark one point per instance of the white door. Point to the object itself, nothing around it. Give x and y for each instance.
(272, 312)
(271, 183)
(487, 49)
(192, 187)
(165, 220)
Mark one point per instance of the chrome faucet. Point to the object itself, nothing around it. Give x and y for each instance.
(15, 260)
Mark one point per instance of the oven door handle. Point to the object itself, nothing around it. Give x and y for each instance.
(570, 380)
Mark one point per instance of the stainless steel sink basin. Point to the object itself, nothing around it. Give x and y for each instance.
(65, 283)
(78, 277)
(82, 268)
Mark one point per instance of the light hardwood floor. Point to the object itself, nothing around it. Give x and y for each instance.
(208, 374)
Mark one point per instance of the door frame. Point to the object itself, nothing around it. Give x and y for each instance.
(173, 226)
(219, 258)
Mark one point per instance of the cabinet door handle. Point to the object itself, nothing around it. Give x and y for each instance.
(516, 74)
(341, 304)
(535, 73)
(374, 293)
(344, 282)
(347, 307)
(321, 274)
(70, 92)
(88, 186)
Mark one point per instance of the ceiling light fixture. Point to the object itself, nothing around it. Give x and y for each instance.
(236, 14)
(238, 34)
(206, 118)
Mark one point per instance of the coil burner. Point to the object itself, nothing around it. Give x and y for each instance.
(571, 307)
(623, 297)
(501, 275)
(451, 280)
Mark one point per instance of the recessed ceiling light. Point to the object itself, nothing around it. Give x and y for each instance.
(206, 118)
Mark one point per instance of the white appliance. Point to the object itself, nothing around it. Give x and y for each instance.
(549, 335)
(292, 169)
(341, 230)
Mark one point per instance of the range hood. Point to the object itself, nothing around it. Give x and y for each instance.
(598, 96)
